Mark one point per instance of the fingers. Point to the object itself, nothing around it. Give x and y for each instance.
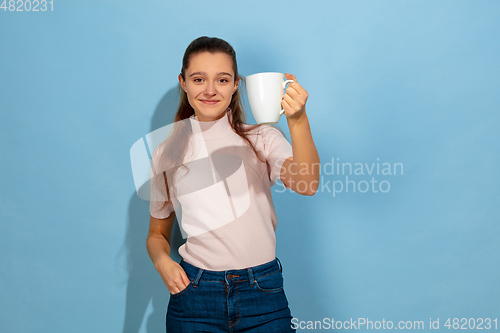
(294, 88)
(185, 278)
(174, 277)
(181, 282)
(289, 103)
(294, 99)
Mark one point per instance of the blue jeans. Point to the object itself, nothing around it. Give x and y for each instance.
(242, 300)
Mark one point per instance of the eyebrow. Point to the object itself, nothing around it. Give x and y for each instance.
(204, 73)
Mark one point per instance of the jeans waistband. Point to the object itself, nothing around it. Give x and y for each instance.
(196, 274)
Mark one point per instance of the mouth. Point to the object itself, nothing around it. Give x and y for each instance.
(209, 102)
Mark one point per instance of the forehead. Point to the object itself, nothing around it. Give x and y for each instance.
(211, 63)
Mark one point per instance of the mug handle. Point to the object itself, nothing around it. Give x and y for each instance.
(284, 87)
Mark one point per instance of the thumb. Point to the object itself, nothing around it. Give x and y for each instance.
(185, 279)
(290, 77)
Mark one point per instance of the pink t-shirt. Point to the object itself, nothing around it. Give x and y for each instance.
(224, 203)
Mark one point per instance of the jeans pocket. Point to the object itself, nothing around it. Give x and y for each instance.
(183, 290)
(272, 282)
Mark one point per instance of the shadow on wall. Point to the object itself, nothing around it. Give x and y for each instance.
(144, 283)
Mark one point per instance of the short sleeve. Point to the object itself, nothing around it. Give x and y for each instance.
(276, 149)
(160, 206)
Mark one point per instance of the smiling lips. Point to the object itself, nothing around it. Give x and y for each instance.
(210, 102)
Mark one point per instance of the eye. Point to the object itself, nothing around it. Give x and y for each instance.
(224, 80)
(198, 80)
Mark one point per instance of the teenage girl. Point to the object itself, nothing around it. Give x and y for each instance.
(229, 279)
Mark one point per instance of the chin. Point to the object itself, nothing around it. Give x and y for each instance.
(211, 114)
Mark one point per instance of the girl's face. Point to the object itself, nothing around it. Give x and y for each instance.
(210, 84)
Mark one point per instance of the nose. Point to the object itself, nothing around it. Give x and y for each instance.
(210, 89)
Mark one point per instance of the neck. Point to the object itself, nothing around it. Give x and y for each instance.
(212, 129)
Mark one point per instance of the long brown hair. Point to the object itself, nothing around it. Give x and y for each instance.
(175, 146)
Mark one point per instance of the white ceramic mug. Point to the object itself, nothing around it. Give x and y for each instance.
(265, 92)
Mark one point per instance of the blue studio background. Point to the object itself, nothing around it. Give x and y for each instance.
(411, 84)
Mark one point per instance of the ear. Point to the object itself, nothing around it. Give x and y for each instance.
(181, 81)
(236, 84)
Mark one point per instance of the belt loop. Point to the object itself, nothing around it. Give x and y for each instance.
(279, 263)
(198, 276)
(250, 276)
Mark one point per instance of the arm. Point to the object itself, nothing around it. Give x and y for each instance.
(158, 247)
(301, 171)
